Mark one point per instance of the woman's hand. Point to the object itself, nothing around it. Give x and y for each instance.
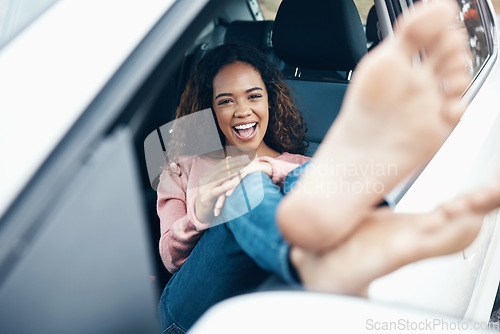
(220, 182)
(215, 183)
(255, 166)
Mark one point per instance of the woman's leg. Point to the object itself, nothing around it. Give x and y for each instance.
(395, 112)
(395, 116)
(386, 241)
(256, 231)
(230, 258)
(216, 269)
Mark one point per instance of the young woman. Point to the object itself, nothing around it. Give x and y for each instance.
(341, 242)
(255, 117)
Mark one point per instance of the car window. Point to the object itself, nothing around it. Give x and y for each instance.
(477, 29)
(270, 7)
(15, 15)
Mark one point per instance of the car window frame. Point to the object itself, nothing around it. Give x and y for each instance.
(24, 22)
(128, 89)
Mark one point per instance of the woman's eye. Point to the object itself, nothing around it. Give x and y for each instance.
(221, 102)
(255, 96)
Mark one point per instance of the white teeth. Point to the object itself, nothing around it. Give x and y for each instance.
(244, 126)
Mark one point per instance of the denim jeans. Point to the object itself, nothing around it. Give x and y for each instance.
(231, 258)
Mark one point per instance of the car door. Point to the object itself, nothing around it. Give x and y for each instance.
(76, 253)
(463, 285)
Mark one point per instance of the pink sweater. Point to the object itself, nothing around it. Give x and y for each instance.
(180, 229)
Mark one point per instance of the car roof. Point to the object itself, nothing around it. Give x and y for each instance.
(53, 69)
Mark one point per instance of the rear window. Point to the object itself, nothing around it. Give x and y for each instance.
(15, 15)
(479, 31)
(270, 7)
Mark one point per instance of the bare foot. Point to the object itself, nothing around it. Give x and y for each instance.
(387, 241)
(395, 116)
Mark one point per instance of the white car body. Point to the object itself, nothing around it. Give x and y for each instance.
(62, 61)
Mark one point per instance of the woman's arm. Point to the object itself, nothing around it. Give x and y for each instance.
(180, 230)
(283, 165)
(178, 234)
(181, 219)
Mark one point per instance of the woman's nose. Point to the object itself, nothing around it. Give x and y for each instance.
(242, 110)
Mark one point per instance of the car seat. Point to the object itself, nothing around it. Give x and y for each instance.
(322, 41)
(372, 31)
(256, 33)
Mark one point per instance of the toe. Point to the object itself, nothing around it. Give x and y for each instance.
(421, 28)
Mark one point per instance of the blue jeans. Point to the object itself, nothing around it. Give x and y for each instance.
(232, 258)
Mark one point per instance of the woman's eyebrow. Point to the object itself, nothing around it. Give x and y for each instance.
(252, 89)
(223, 94)
(229, 94)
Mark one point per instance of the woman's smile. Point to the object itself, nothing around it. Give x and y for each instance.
(245, 131)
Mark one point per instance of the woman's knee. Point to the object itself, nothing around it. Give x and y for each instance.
(168, 323)
(253, 190)
(292, 178)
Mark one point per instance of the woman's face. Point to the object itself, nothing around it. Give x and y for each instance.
(240, 103)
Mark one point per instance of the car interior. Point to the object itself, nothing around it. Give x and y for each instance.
(317, 55)
(109, 237)
(315, 43)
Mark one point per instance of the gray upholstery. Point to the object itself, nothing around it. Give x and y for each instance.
(319, 35)
(372, 33)
(320, 103)
(256, 33)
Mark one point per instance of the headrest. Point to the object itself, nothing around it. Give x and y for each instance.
(319, 34)
(256, 33)
(371, 26)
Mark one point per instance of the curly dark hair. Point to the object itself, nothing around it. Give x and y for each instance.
(286, 129)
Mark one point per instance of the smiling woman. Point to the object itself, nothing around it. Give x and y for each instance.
(254, 117)
(241, 107)
(324, 227)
